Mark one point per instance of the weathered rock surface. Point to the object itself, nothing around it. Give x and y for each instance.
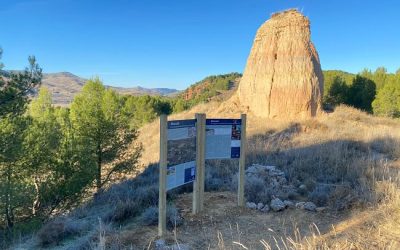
(289, 204)
(277, 205)
(251, 205)
(265, 208)
(283, 76)
(273, 178)
(310, 206)
(300, 205)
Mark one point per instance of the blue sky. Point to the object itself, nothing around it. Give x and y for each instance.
(175, 43)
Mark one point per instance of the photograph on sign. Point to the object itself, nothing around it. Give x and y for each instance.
(181, 152)
(223, 138)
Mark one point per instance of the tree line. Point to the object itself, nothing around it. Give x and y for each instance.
(375, 92)
(53, 157)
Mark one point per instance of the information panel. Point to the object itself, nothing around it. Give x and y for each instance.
(181, 156)
(223, 138)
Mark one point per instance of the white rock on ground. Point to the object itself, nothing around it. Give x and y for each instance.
(300, 205)
(310, 206)
(288, 203)
(260, 206)
(277, 205)
(251, 205)
(265, 209)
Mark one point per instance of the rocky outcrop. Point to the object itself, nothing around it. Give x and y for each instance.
(283, 76)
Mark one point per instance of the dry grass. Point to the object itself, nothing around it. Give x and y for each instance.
(354, 154)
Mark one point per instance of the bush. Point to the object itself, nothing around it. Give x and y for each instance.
(320, 195)
(219, 174)
(150, 217)
(338, 92)
(362, 93)
(56, 230)
(387, 102)
(255, 190)
(123, 211)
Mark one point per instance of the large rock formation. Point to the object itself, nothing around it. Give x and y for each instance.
(283, 76)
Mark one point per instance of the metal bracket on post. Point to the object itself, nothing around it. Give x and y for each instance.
(198, 185)
(162, 196)
(242, 162)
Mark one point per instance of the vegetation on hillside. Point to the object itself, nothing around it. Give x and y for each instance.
(211, 86)
(51, 158)
(375, 92)
(343, 161)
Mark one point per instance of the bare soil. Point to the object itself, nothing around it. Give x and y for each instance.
(223, 225)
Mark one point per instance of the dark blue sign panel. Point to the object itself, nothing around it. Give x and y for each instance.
(235, 152)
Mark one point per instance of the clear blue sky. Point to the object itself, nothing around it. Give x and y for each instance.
(174, 43)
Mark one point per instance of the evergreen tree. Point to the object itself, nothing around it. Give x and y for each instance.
(362, 93)
(42, 142)
(380, 77)
(13, 183)
(103, 133)
(387, 100)
(14, 90)
(338, 92)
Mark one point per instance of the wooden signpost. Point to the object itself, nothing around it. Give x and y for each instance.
(242, 162)
(229, 131)
(162, 193)
(198, 185)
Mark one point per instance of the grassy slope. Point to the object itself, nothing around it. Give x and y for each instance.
(345, 143)
(356, 149)
(361, 149)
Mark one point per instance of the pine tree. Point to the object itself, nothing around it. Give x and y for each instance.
(13, 185)
(42, 142)
(362, 93)
(387, 102)
(103, 133)
(15, 89)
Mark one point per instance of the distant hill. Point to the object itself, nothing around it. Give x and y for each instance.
(64, 86)
(211, 87)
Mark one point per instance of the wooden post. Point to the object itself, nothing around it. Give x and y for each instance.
(198, 185)
(162, 196)
(242, 162)
(202, 163)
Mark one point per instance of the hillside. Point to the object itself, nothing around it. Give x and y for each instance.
(211, 86)
(346, 162)
(64, 86)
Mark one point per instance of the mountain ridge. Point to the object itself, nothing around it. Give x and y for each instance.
(65, 85)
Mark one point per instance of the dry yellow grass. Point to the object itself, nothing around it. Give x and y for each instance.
(373, 225)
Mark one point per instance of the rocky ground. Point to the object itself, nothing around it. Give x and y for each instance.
(223, 225)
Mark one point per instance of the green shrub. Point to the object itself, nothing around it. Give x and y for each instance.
(387, 102)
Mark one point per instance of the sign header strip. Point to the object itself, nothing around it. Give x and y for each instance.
(181, 124)
(223, 122)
